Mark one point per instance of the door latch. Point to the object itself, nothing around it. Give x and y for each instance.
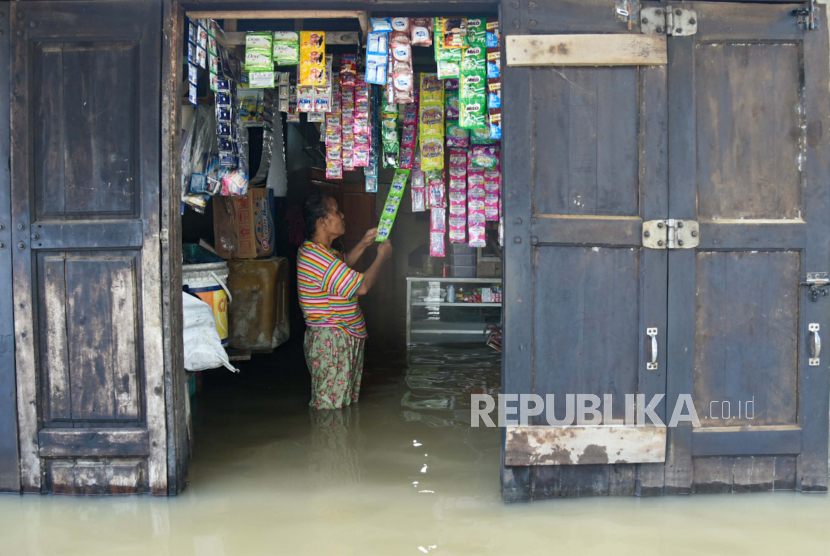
(818, 282)
(807, 18)
(671, 234)
(669, 20)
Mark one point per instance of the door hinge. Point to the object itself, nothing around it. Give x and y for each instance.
(670, 20)
(671, 234)
(807, 17)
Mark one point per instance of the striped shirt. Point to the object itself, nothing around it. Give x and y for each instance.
(327, 289)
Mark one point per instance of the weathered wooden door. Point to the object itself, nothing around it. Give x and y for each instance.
(748, 156)
(85, 236)
(9, 471)
(585, 165)
(730, 136)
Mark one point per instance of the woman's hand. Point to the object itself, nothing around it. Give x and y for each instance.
(369, 237)
(385, 250)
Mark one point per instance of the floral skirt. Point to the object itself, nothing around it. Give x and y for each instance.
(335, 361)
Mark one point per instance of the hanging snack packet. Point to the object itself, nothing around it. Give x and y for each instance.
(312, 58)
(453, 31)
(481, 137)
(393, 201)
(432, 89)
(420, 31)
(348, 69)
(436, 244)
(381, 25)
(438, 220)
(458, 195)
(485, 157)
(401, 25)
(286, 51)
(435, 188)
(377, 58)
(452, 105)
(457, 136)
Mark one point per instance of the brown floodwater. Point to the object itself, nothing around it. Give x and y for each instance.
(400, 473)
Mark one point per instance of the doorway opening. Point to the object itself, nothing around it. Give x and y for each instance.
(436, 304)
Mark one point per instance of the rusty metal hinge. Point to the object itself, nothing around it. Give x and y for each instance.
(671, 234)
(669, 20)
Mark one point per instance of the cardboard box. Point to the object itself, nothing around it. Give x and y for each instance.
(244, 226)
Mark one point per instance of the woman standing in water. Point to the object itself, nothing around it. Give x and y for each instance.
(328, 289)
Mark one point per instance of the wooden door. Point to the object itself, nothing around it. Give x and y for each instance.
(85, 234)
(748, 155)
(9, 471)
(585, 164)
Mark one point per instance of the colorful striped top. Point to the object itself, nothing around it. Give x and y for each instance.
(327, 289)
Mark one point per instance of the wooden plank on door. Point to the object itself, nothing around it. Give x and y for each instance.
(586, 50)
(178, 443)
(682, 205)
(814, 382)
(584, 445)
(9, 467)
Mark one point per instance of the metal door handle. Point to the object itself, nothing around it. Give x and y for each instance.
(652, 333)
(815, 344)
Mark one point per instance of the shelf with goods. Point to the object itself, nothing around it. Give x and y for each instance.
(449, 321)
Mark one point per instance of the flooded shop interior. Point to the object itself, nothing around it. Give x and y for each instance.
(397, 118)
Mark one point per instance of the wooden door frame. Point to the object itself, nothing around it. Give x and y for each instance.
(9, 455)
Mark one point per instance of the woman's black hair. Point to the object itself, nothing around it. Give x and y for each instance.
(314, 207)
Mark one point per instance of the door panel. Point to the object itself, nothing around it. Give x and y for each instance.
(85, 166)
(584, 167)
(743, 165)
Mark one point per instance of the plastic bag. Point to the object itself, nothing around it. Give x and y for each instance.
(202, 347)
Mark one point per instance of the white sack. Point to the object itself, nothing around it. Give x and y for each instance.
(202, 346)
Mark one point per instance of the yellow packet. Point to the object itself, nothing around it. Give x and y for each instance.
(431, 120)
(432, 89)
(312, 58)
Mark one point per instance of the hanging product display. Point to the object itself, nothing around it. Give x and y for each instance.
(476, 219)
(473, 82)
(419, 191)
(437, 231)
(312, 58)
(420, 31)
(393, 201)
(389, 132)
(431, 124)
(192, 62)
(334, 138)
(347, 125)
(370, 172)
(286, 50)
(436, 188)
(409, 137)
(493, 42)
(456, 135)
(449, 49)
(458, 195)
(377, 57)
(400, 48)
(492, 189)
(361, 127)
(258, 59)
